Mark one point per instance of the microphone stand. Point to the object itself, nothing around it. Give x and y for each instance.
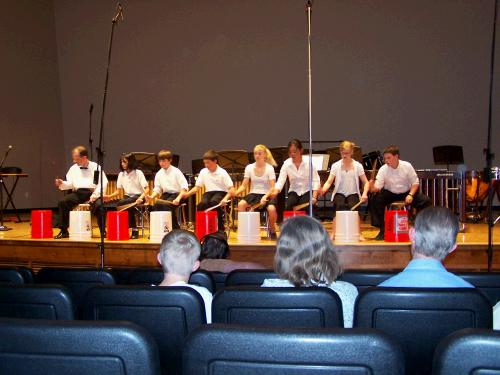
(99, 149)
(3, 228)
(309, 102)
(487, 150)
(90, 130)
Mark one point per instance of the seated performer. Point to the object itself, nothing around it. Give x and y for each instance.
(297, 172)
(80, 180)
(133, 184)
(346, 173)
(261, 177)
(218, 186)
(170, 185)
(396, 181)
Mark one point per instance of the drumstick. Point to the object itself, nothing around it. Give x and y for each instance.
(126, 206)
(163, 201)
(255, 206)
(372, 177)
(356, 206)
(222, 203)
(300, 206)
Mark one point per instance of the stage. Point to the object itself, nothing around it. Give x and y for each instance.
(18, 249)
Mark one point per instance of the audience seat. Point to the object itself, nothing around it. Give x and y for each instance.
(235, 350)
(11, 276)
(154, 276)
(487, 283)
(169, 314)
(365, 279)
(468, 352)
(36, 347)
(36, 302)
(420, 318)
(278, 307)
(249, 277)
(220, 280)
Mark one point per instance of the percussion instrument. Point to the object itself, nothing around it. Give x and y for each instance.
(353, 208)
(206, 223)
(126, 206)
(117, 225)
(80, 225)
(160, 223)
(396, 223)
(347, 226)
(300, 206)
(249, 227)
(476, 189)
(41, 224)
(289, 214)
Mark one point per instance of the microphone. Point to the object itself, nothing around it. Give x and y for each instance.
(96, 177)
(119, 13)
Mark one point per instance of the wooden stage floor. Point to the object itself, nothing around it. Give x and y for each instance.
(17, 248)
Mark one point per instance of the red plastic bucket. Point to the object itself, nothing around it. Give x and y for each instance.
(396, 226)
(41, 224)
(289, 214)
(206, 223)
(117, 225)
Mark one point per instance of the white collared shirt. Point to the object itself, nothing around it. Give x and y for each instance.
(260, 184)
(132, 183)
(170, 180)
(299, 178)
(83, 178)
(397, 180)
(219, 180)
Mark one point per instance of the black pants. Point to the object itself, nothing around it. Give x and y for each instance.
(384, 198)
(131, 211)
(343, 203)
(167, 207)
(210, 199)
(294, 199)
(68, 202)
(99, 210)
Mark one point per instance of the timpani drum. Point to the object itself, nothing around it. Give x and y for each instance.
(160, 223)
(249, 227)
(347, 226)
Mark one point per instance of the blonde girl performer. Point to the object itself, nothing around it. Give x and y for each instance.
(347, 174)
(261, 177)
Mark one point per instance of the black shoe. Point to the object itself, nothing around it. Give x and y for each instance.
(62, 234)
(380, 236)
(273, 236)
(135, 234)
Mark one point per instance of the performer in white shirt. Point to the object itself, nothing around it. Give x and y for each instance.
(347, 174)
(80, 180)
(170, 185)
(218, 186)
(132, 183)
(261, 177)
(396, 181)
(297, 172)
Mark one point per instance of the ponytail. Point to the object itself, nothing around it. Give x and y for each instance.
(269, 155)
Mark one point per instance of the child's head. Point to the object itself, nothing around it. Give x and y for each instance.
(305, 254)
(346, 149)
(391, 156)
(210, 159)
(165, 158)
(295, 149)
(128, 162)
(262, 153)
(179, 253)
(214, 246)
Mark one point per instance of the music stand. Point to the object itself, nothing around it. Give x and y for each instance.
(146, 161)
(234, 161)
(280, 154)
(334, 153)
(448, 155)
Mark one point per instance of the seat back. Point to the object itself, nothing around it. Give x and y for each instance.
(487, 283)
(469, 351)
(278, 307)
(78, 280)
(169, 314)
(365, 279)
(419, 318)
(27, 274)
(233, 350)
(11, 276)
(154, 276)
(36, 302)
(37, 347)
(204, 279)
(249, 277)
(220, 279)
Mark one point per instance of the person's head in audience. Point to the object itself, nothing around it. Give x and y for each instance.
(214, 246)
(179, 253)
(305, 254)
(435, 233)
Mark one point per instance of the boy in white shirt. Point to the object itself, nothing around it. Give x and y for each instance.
(179, 253)
(218, 186)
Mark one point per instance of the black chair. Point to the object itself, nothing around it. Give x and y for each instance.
(420, 318)
(249, 277)
(278, 307)
(365, 279)
(154, 276)
(11, 276)
(233, 350)
(121, 275)
(27, 274)
(220, 280)
(486, 283)
(169, 314)
(36, 347)
(36, 302)
(469, 351)
(78, 280)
